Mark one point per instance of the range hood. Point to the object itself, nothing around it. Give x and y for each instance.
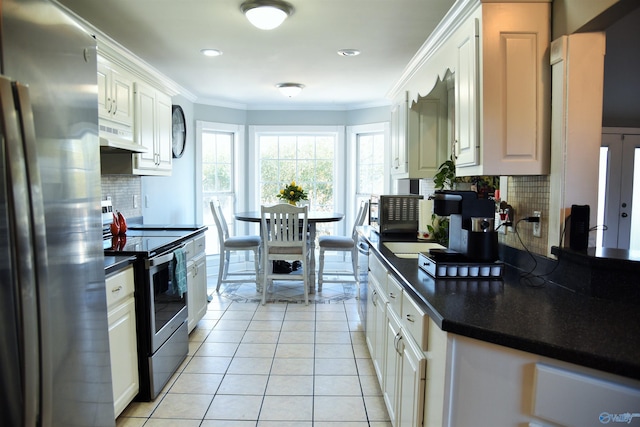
(117, 145)
(118, 140)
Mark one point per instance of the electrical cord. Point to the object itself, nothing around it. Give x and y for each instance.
(528, 278)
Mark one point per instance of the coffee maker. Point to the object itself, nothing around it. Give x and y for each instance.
(471, 224)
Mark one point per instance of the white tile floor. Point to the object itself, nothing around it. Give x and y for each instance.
(283, 364)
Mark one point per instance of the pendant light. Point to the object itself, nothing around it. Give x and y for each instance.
(266, 14)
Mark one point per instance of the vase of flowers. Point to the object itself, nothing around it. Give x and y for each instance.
(292, 193)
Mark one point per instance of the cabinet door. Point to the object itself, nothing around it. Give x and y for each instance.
(124, 354)
(196, 291)
(412, 386)
(392, 366)
(164, 131)
(399, 137)
(370, 325)
(145, 125)
(115, 94)
(376, 333)
(428, 133)
(122, 93)
(467, 134)
(104, 91)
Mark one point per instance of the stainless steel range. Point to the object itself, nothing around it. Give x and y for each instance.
(161, 307)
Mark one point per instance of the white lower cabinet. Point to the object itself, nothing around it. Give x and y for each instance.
(412, 384)
(392, 366)
(433, 378)
(399, 362)
(376, 320)
(404, 375)
(196, 290)
(122, 338)
(197, 298)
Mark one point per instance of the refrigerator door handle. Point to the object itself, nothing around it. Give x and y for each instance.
(27, 125)
(21, 230)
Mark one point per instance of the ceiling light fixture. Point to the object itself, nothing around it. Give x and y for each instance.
(290, 89)
(211, 52)
(266, 14)
(348, 52)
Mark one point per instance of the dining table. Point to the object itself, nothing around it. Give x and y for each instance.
(313, 218)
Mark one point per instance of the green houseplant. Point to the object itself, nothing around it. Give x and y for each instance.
(444, 179)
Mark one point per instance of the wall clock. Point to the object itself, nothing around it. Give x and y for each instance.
(179, 136)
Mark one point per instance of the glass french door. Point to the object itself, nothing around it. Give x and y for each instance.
(620, 170)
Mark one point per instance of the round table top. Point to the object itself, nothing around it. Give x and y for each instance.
(312, 216)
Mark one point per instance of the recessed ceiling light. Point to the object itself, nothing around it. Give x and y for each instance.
(348, 52)
(211, 52)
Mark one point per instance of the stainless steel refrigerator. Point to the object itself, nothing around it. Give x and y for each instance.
(54, 346)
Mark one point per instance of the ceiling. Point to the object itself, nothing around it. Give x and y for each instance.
(169, 34)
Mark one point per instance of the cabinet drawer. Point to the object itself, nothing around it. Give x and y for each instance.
(379, 272)
(415, 321)
(394, 294)
(199, 245)
(189, 249)
(119, 285)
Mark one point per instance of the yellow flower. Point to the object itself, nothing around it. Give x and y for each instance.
(293, 183)
(292, 192)
(282, 191)
(299, 188)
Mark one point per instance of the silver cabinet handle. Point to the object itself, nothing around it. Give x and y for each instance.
(410, 319)
(118, 289)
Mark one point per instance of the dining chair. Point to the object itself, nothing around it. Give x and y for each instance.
(233, 243)
(342, 244)
(282, 240)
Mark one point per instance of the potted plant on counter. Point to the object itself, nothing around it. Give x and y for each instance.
(444, 179)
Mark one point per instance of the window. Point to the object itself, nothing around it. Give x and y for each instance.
(307, 155)
(370, 163)
(217, 169)
(306, 159)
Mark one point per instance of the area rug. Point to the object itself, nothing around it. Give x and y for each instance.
(289, 292)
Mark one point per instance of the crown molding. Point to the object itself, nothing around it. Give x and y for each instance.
(456, 16)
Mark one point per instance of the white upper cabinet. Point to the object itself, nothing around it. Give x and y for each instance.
(515, 108)
(499, 55)
(115, 94)
(152, 131)
(429, 130)
(399, 136)
(135, 113)
(467, 138)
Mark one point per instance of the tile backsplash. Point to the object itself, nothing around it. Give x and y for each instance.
(527, 194)
(123, 189)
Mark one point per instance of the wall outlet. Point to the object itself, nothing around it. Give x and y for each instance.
(536, 225)
(502, 229)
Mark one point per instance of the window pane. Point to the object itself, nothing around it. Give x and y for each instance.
(306, 159)
(370, 158)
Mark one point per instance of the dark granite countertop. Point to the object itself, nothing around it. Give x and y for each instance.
(112, 264)
(551, 320)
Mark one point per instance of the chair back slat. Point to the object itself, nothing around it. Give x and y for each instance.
(221, 223)
(360, 217)
(281, 224)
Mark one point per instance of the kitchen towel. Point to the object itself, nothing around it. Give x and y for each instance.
(179, 272)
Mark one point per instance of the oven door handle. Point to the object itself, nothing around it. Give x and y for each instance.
(162, 259)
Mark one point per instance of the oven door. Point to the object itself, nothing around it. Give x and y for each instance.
(167, 306)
